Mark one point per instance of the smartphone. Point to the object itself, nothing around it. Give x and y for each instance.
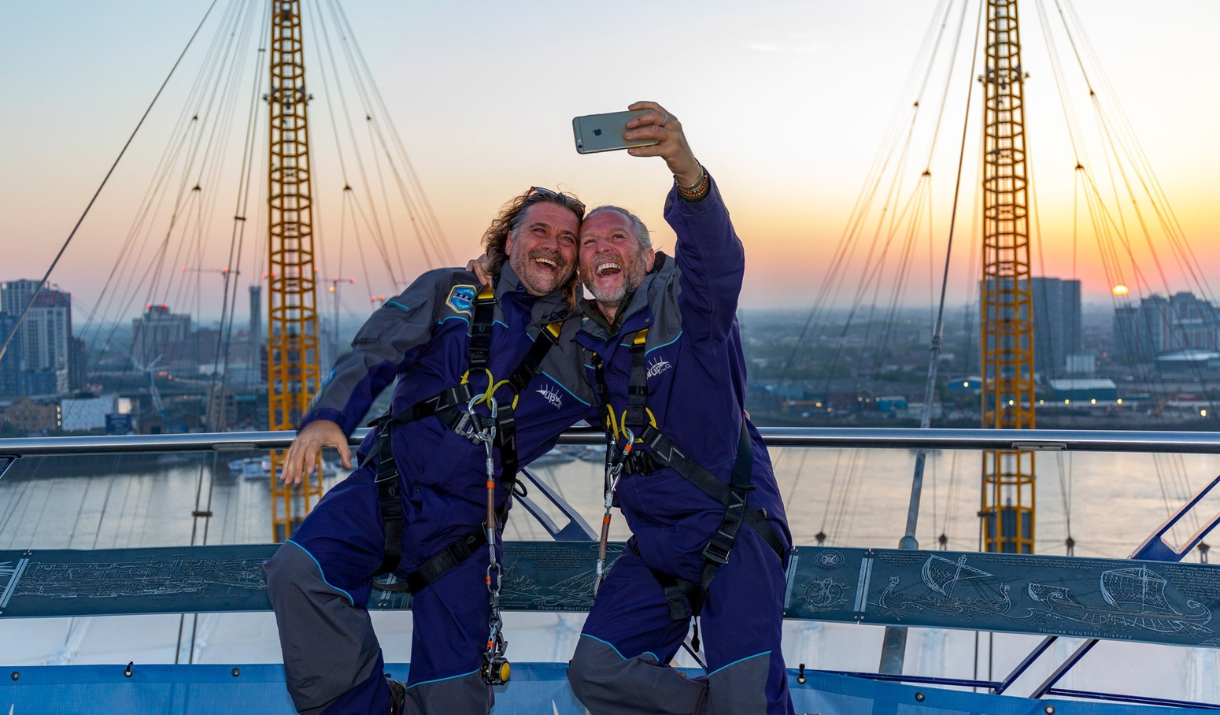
(604, 132)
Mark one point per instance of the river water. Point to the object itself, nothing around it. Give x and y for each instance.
(855, 497)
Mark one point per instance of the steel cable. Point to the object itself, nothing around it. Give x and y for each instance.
(47, 275)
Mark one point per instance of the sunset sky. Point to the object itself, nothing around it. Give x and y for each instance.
(786, 103)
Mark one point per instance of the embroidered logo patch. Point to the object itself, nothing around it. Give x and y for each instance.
(461, 298)
(552, 396)
(657, 367)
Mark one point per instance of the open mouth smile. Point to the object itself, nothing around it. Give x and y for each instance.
(608, 268)
(546, 264)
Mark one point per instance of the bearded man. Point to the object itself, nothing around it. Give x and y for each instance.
(696, 486)
(485, 377)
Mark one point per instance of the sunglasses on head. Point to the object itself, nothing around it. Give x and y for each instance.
(570, 202)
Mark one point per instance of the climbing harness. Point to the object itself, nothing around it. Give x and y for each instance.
(685, 598)
(456, 408)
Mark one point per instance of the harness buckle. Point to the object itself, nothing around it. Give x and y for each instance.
(676, 600)
(464, 427)
(717, 553)
(387, 471)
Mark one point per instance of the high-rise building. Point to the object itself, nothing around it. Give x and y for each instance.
(1161, 325)
(45, 333)
(257, 335)
(157, 333)
(256, 332)
(77, 363)
(1057, 324)
(10, 364)
(15, 295)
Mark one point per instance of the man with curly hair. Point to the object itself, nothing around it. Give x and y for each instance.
(417, 506)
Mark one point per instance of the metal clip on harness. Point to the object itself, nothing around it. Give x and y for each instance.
(496, 669)
(614, 471)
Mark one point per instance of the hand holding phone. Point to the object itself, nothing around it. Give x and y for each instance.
(646, 129)
(604, 132)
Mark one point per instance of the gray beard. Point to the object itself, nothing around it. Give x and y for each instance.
(614, 300)
(520, 264)
(608, 300)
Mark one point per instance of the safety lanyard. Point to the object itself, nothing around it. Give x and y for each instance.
(616, 456)
(496, 429)
(496, 669)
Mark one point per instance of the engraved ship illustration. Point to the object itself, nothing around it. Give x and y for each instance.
(949, 588)
(1135, 598)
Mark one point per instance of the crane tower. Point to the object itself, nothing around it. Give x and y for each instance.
(292, 328)
(1006, 311)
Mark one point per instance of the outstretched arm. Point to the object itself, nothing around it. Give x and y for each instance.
(709, 254)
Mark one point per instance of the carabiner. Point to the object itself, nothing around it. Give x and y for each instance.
(630, 440)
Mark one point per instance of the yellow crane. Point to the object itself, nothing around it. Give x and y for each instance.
(292, 328)
(1006, 311)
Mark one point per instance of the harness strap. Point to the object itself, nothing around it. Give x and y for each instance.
(439, 563)
(480, 329)
(679, 593)
(441, 404)
(636, 416)
(506, 427)
(388, 498)
(666, 454)
(436, 566)
(445, 406)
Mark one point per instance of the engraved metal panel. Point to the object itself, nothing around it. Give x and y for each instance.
(1112, 599)
(1149, 601)
(538, 576)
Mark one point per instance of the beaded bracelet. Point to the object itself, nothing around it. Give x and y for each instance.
(699, 190)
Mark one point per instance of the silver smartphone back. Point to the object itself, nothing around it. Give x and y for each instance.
(604, 132)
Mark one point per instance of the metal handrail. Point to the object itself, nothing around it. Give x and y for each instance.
(1150, 442)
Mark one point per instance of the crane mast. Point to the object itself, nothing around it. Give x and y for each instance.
(292, 327)
(1006, 311)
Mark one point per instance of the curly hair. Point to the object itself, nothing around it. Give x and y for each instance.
(512, 214)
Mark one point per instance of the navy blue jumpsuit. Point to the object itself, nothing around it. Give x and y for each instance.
(696, 378)
(320, 580)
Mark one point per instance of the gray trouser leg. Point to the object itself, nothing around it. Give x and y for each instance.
(463, 694)
(740, 688)
(328, 643)
(608, 684)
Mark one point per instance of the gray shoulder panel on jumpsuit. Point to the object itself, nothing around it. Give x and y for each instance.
(662, 291)
(402, 323)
